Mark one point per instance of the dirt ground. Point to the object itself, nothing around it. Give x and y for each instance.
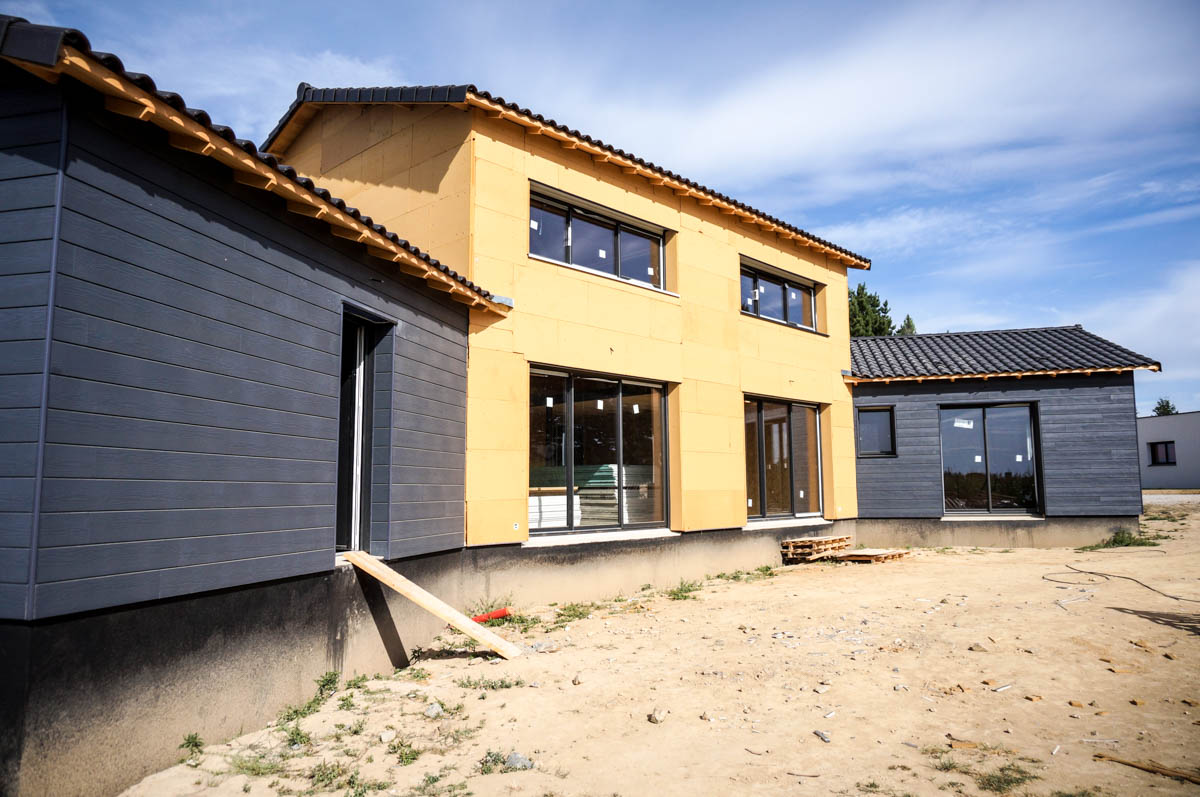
(956, 671)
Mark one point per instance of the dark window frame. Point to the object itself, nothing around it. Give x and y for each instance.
(762, 460)
(571, 375)
(1168, 457)
(890, 409)
(789, 283)
(1039, 479)
(644, 229)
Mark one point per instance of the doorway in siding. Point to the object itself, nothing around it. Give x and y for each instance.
(361, 336)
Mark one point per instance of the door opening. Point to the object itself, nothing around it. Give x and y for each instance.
(359, 337)
(988, 459)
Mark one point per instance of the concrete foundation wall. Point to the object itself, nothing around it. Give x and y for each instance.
(102, 699)
(1053, 532)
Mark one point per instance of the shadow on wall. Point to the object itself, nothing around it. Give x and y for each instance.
(1177, 620)
(376, 600)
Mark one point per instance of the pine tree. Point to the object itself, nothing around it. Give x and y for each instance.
(868, 314)
(909, 327)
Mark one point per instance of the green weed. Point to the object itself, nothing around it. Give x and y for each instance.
(193, 744)
(1005, 779)
(684, 591)
(489, 683)
(1122, 538)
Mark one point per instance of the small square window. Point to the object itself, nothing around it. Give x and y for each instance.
(1162, 453)
(876, 432)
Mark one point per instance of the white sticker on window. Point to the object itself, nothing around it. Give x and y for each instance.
(1018, 457)
(549, 401)
(964, 423)
(750, 502)
(603, 254)
(636, 410)
(650, 271)
(533, 225)
(793, 294)
(978, 458)
(600, 404)
(800, 493)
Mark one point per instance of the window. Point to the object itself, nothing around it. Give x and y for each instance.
(988, 458)
(783, 453)
(876, 432)
(585, 238)
(597, 452)
(1162, 453)
(774, 298)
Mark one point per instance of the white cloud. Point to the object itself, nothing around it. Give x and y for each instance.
(32, 10)
(1150, 219)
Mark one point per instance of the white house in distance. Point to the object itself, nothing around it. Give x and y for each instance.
(1169, 449)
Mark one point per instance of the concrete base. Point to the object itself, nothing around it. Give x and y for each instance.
(92, 703)
(995, 531)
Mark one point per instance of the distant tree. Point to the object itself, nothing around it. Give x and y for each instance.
(1165, 407)
(909, 327)
(868, 314)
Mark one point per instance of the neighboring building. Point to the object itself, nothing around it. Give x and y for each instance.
(674, 358)
(1169, 449)
(1028, 436)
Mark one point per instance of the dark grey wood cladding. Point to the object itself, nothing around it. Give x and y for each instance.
(30, 145)
(193, 384)
(1087, 431)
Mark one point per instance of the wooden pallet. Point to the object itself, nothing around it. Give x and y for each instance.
(806, 549)
(870, 555)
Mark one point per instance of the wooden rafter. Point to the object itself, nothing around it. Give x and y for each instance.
(856, 380)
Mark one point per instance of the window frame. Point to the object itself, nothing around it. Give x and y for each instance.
(618, 222)
(791, 404)
(890, 409)
(1168, 453)
(789, 283)
(571, 374)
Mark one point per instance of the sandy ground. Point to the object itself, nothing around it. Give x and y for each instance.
(1031, 667)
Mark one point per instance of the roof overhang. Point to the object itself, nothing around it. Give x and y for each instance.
(124, 97)
(850, 379)
(303, 110)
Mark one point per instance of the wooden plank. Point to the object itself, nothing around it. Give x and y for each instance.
(432, 604)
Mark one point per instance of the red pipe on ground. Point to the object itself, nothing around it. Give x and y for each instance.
(496, 615)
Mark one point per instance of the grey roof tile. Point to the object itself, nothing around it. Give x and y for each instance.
(998, 351)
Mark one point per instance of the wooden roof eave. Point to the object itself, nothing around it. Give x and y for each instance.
(1000, 375)
(494, 110)
(125, 98)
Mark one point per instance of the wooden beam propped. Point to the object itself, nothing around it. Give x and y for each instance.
(254, 180)
(349, 233)
(191, 144)
(305, 209)
(134, 110)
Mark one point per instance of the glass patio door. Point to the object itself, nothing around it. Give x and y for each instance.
(988, 459)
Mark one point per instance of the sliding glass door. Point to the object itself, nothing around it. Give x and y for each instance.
(988, 459)
(597, 452)
(783, 459)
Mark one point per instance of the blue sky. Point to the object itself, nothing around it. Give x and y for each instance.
(1003, 164)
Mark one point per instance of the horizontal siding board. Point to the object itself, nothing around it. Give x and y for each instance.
(419, 510)
(24, 290)
(90, 561)
(83, 396)
(16, 494)
(87, 428)
(17, 459)
(28, 192)
(26, 162)
(94, 495)
(22, 323)
(102, 365)
(12, 600)
(19, 391)
(62, 597)
(92, 528)
(32, 224)
(14, 565)
(35, 127)
(402, 546)
(15, 529)
(25, 257)
(63, 461)
(22, 356)
(19, 426)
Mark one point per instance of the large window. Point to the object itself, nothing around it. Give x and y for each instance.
(586, 238)
(783, 458)
(876, 432)
(1162, 453)
(774, 298)
(988, 459)
(597, 452)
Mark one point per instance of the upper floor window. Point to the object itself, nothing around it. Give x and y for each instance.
(586, 238)
(1162, 453)
(778, 299)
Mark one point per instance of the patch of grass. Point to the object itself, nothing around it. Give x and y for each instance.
(434, 786)
(943, 764)
(1121, 538)
(357, 682)
(193, 744)
(326, 685)
(489, 683)
(325, 774)
(1008, 777)
(346, 703)
(295, 736)
(684, 591)
(765, 571)
(404, 751)
(491, 762)
(1079, 793)
(870, 787)
(257, 765)
(647, 587)
(358, 786)
(357, 727)
(570, 612)
(415, 673)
